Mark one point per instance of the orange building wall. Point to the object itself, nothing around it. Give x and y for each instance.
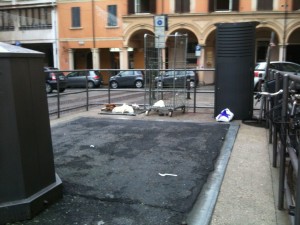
(245, 6)
(201, 7)
(101, 31)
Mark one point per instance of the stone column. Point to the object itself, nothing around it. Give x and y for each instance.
(123, 58)
(96, 58)
(71, 58)
(201, 65)
(282, 52)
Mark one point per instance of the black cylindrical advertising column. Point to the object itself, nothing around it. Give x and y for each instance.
(235, 60)
(28, 182)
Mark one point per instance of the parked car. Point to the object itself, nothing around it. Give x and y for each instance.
(51, 79)
(284, 67)
(166, 79)
(91, 78)
(128, 78)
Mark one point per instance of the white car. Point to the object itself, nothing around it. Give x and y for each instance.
(283, 67)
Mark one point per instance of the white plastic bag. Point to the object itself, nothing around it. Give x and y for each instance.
(225, 116)
(123, 109)
(159, 103)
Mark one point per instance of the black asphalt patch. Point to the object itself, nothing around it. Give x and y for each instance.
(110, 170)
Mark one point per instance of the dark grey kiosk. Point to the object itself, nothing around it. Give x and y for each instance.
(28, 182)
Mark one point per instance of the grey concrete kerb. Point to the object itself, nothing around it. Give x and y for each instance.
(204, 206)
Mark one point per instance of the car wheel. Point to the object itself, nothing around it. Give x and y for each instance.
(91, 84)
(62, 89)
(139, 84)
(48, 88)
(114, 84)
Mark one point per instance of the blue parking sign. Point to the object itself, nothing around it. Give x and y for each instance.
(198, 50)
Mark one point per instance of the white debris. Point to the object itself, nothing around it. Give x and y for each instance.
(159, 103)
(135, 106)
(123, 109)
(167, 174)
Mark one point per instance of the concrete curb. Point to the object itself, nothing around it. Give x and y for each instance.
(203, 209)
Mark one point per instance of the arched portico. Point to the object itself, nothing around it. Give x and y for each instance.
(293, 44)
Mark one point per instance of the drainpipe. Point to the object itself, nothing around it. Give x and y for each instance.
(284, 31)
(93, 21)
(56, 41)
(93, 31)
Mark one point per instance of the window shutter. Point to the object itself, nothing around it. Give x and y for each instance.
(296, 4)
(235, 5)
(152, 6)
(265, 5)
(186, 6)
(112, 15)
(130, 4)
(177, 6)
(75, 17)
(211, 6)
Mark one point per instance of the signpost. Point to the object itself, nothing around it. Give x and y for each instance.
(160, 26)
(198, 50)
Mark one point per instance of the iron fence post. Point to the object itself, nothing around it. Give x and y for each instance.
(87, 92)
(275, 130)
(283, 133)
(58, 96)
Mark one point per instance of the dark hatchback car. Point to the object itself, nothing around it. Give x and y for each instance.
(51, 77)
(89, 78)
(129, 78)
(177, 78)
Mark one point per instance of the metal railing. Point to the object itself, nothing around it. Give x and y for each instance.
(283, 116)
(106, 95)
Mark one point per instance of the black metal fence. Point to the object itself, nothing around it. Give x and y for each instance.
(282, 111)
(74, 99)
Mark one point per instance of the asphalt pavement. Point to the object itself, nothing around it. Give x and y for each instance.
(116, 183)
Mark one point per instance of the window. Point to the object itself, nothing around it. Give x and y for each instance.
(261, 50)
(296, 4)
(6, 22)
(35, 18)
(223, 5)
(76, 17)
(191, 57)
(265, 5)
(288, 67)
(182, 6)
(141, 6)
(112, 16)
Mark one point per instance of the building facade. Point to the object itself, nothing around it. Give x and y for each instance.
(109, 34)
(31, 24)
